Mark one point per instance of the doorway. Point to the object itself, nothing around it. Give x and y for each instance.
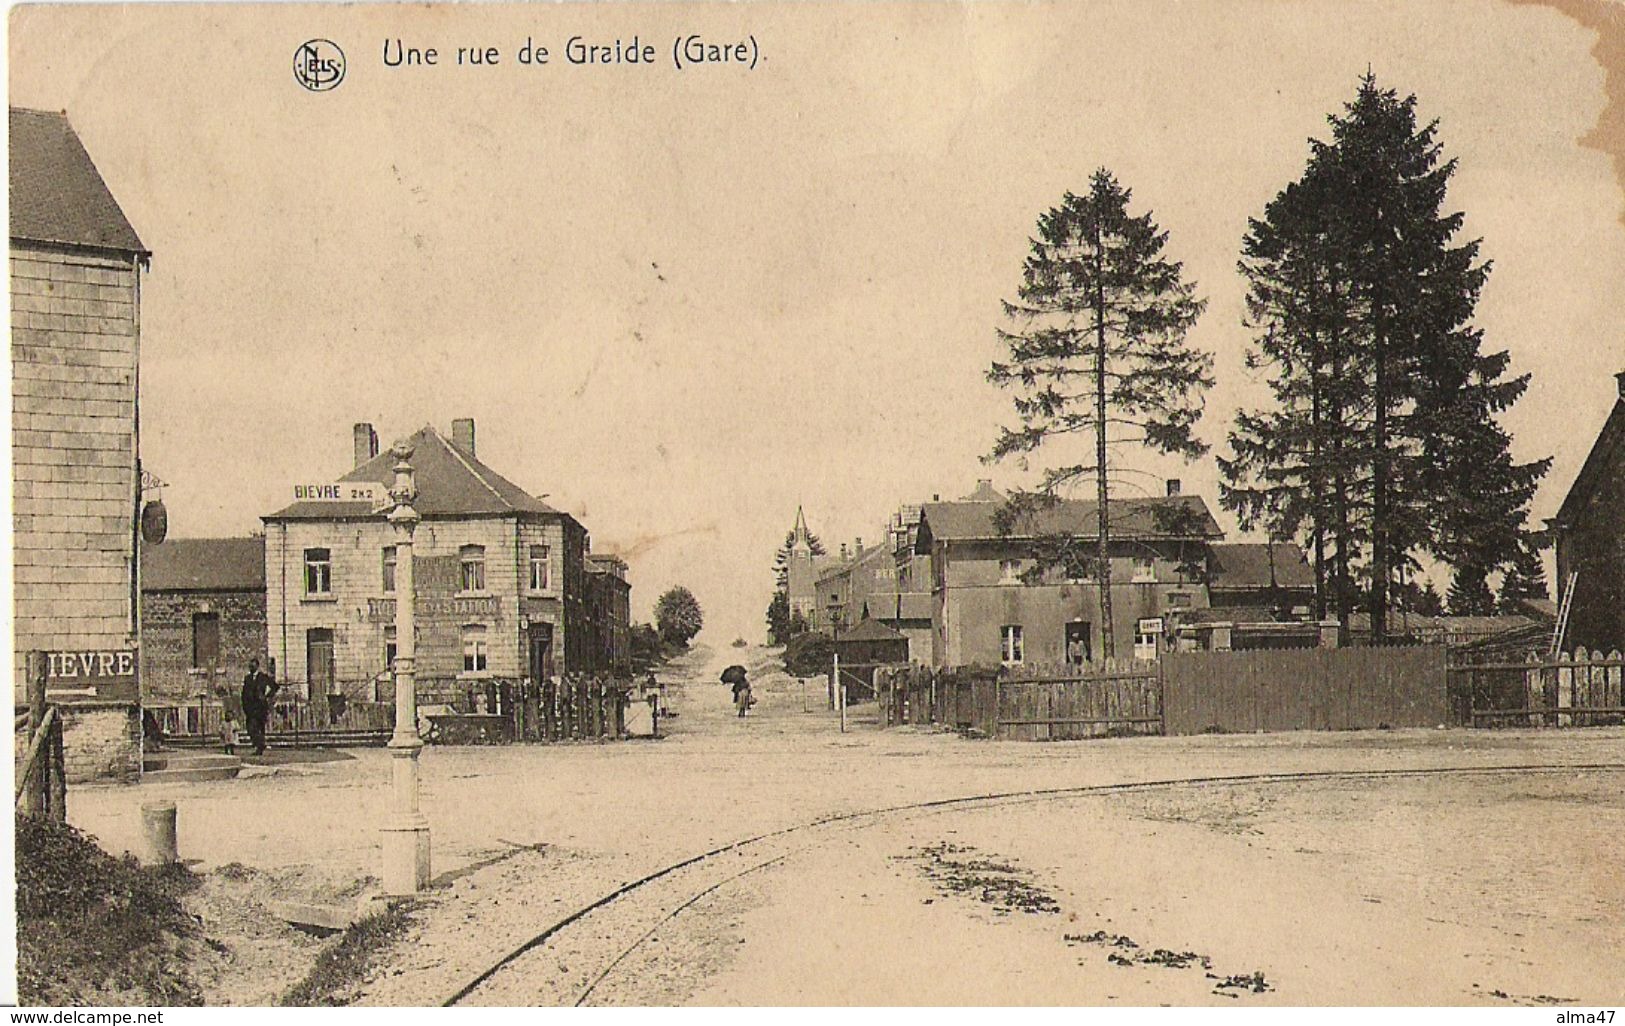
(541, 652)
(1077, 643)
(320, 674)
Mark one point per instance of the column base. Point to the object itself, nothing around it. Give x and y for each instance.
(406, 858)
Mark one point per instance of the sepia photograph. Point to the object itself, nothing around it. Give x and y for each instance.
(953, 505)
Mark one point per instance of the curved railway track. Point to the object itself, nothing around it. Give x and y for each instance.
(665, 893)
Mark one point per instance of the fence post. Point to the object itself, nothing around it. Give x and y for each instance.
(57, 798)
(35, 795)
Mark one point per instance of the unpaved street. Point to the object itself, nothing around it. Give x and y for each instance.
(1347, 890)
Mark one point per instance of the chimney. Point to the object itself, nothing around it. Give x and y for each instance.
(984, 484)
(843, 550)
(462, 434)
(1173, 486)
(935, 497)
(366, 443)
(857, 546)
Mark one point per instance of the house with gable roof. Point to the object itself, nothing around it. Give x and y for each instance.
(500, 579)
(1589, 530)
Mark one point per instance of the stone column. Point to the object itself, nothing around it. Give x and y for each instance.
(406, 832)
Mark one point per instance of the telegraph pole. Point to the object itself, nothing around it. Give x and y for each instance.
(406, 833)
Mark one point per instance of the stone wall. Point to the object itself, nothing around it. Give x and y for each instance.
(73, 350)
(167, 670)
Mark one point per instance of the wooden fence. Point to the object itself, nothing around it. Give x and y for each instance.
(1582, 689)
(1067, 703)
(1304, 689)
(1029, 703)
(42, 772)
(1187, 693)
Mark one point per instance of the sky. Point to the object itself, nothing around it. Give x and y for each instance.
(680, 303)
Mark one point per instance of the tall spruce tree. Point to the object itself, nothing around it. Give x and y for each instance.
(1385, 404)
(1524, 579)
(1097, 353)
(1469, 593)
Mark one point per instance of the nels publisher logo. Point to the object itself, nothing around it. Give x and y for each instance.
(318, 65)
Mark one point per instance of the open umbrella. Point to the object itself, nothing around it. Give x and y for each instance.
(734, 674)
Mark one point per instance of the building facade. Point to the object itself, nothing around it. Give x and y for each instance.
(609, 614)
(1590, 532)
(202, 616)
(988, 611)
(500, 580)
(76, 268)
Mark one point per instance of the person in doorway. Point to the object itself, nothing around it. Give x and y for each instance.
(259, 688)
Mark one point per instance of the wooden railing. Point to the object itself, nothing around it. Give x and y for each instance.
(1582, 689)
(42, 775)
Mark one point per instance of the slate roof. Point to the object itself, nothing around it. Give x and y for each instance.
(1598, 462)
(870, 630)
(1131, 518)
(204, 564)
(57, 195)
(1248, 565)
(915, 605)
(450, 482)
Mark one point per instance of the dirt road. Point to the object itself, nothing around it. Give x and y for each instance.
(1443, 890)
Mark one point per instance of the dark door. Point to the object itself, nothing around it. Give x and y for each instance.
(319, 668)
(541, 651)
(1077, 643)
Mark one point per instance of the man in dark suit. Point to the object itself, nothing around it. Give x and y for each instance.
(259, 688)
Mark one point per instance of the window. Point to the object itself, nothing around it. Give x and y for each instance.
(474, 652)
(389, 568)
(390, 649)
(1145, 569)
(539, 578)
(1009, 571)
(473, 560)
(1011, 649)
(1147, 638)
(205, 641)
(318, 572)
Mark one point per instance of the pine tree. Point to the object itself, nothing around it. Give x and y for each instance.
(1384, 435)
(778, 618)
(1524, 579)
(1469, 593)
(1429, 602)
(1097, 350)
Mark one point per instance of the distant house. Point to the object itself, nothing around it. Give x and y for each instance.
(1260, 575)
(202, 615)
(1590, 532)
(76, 269)
(500, 579)
(609, 613)
(988, 612)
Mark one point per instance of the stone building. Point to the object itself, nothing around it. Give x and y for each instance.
(1590, 532)
(202, 616)
(987, 612)
(500, 580)
(76, 269)
(609, 614)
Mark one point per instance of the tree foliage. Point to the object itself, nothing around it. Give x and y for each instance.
(781, 560)
(1382, 441)
(778, 618)
(1097, 353)
(1524, 579)
(678, 616)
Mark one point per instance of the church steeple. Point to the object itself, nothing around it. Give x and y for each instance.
(801, 538)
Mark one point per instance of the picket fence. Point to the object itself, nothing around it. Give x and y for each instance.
(1581, 689)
